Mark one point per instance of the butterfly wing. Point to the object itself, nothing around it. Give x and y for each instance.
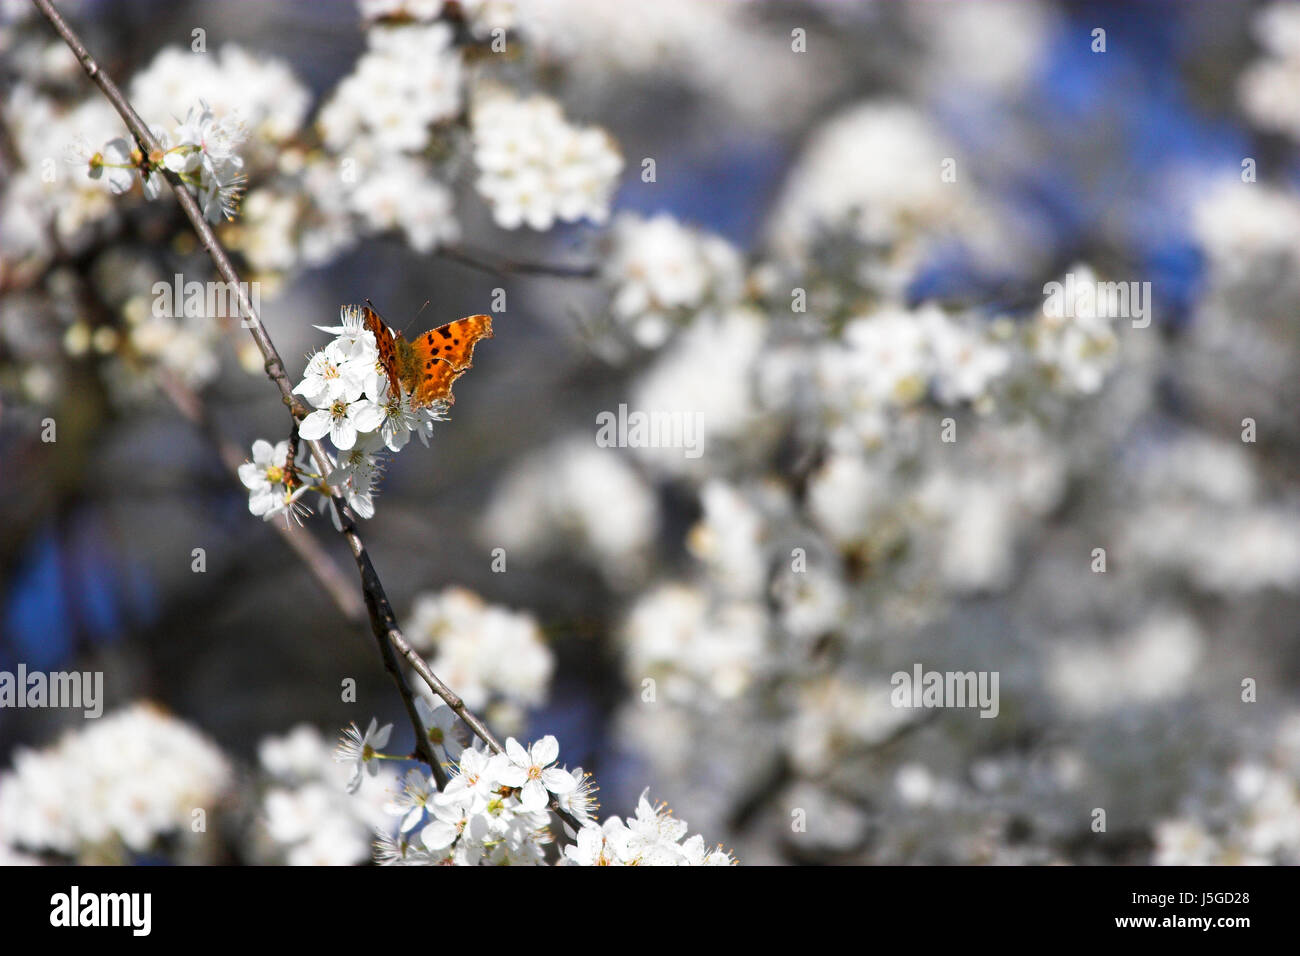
(443, 355)
(387, 349)
(454, 342)
(435, 384)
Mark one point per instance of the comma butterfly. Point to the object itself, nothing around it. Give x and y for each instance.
(427, 367)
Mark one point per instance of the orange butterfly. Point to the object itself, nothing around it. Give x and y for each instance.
(427, 367)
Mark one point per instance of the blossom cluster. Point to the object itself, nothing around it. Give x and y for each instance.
(259, 94)
(652, 838)
(496, 810)
(662, 272)
(535, 167)
(201, 151)
(118, 787)
(409, 79)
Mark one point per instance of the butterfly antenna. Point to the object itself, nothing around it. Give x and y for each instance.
(417, 314)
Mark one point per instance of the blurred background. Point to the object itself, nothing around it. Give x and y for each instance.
(918, 172)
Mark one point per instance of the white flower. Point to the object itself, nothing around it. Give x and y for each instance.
(352, 324)
(231, 81)
(398, 850)
(437, 412)
(412, 799)
(882, 359)
(331, 375)
(358, 749)
(580, 802)
(114, 165)
(532, 771)
(450, 821)
(399, 422)
(473, 783)
(265, 477)
(342, 421)
(201, 151)
(654, 834)
(590, 850)
(264, 471)
(355, 475)
(446, 731)
(965, 364)
(204, 143)
(219, 198)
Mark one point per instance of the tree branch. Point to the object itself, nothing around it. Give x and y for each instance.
(499, 266)
(388, 636)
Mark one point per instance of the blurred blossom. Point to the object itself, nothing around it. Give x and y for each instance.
(985, 46)
(484, 651)
(872, 173)
(707, 371)
(662, 272)
(535, 168)
(259, 91)
(1155, 661)
(718, 49)
(398, 194)
(1269, 87)
(408, 79)
(137, 775)
(575, 494)
(309, 817)
(673, 636)
(1247, 231)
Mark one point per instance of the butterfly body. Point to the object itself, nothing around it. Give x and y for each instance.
(426, 367)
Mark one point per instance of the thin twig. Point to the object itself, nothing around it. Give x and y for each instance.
(500, 266)
(304, 545)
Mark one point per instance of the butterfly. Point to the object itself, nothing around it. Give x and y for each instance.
(427, 367)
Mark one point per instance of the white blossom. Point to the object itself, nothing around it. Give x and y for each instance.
(535, 168)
